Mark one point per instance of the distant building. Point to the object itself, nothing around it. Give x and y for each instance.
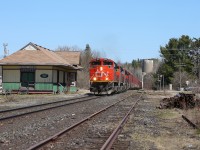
(39, 69)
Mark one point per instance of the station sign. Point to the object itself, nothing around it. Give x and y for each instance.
(44, 75)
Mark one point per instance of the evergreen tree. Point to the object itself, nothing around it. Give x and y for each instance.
(86, 56)
(178, 55)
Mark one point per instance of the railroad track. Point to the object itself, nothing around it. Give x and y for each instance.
(110, 138)
(109, 142)
(23, 111)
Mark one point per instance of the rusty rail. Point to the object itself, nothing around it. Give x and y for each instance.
(53, 137)
(190, 122)
(108, 144)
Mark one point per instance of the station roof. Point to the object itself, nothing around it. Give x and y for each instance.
(33, 54)
(73, 57)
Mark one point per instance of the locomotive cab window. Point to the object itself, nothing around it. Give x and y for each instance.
(95, 63)
(116, 67)
(107, 63)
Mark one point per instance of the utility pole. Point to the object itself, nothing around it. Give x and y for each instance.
(5, 50)
(198, 53)
(163, 83)
(196, 61)
(180, 74)
(143, 74)
(160, 81)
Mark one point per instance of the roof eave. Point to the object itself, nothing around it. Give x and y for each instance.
(39, 64)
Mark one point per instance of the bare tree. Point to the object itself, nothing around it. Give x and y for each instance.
(87, 54)
(148, 81)
(98, 54)
(83, 76)
(182, 77)
(68, 48)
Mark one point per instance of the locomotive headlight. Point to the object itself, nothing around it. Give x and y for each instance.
(94, 78)
(106, 79)
(101, 68)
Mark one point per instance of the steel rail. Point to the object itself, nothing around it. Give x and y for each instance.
(35, 111)
(31, 106)
(190, 122)
(109, 142)
(53, 137)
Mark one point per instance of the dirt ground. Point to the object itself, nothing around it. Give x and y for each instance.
(162, 129)
(149, 128)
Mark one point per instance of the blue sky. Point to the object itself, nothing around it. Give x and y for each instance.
(123, 30)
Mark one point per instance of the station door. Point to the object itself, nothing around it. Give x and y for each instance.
(27, 79)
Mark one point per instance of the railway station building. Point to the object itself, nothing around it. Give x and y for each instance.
(36, 69)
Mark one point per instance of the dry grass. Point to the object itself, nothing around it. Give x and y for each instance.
(16, 98)
(10, 98)
(173, 134)
(193, 115)
(169, 114)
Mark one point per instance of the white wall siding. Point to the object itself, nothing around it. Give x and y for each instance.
(11, 76)
(40, 79)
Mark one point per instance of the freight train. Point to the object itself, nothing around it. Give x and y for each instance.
(108, 77)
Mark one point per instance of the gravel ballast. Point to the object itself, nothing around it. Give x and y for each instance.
(147, 128)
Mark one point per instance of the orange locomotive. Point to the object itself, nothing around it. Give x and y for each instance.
(108, 77)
